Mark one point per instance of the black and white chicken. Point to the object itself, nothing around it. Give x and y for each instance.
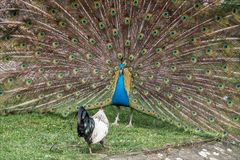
(93, 129)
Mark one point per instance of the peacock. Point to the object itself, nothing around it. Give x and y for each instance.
(175, 60)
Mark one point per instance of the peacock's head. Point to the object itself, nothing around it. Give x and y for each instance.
(121, 66)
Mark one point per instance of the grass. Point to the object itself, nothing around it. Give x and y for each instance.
(30, 136)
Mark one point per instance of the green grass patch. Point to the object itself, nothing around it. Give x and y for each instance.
(30, 136)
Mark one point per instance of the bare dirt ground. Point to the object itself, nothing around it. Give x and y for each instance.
(202, 151)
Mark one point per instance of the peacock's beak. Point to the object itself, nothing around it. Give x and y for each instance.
(121, 71)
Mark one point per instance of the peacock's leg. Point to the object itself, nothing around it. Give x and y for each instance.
(117, 117)
(131, 116)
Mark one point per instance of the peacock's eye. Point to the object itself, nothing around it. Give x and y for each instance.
(75, 5)
(155, 32)
(140, 36)
(113, 12)
(13, 12)
(55, 44)
(115, 32)
(53, 11)
(127, 21)
(92, 41)
(193, 59)
(109, 46)
(28, 23)
(41, 35)
(1, 92)
(135, 3)
(131, 57)
(101, 25)
(184, 18)
(127, 43)
(203, 29)
(97, 4)
(143, 51)
(119, 55)
(89, 56)
(84, 21)
(173, 68)
(238, 86)
(74, 40)
(62, 24)
(165, 14)
(148, 17)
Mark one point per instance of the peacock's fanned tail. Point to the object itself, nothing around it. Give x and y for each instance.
(183, 57)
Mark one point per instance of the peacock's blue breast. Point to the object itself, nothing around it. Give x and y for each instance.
(120, 96)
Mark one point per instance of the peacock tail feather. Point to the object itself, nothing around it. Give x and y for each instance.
(182, 58)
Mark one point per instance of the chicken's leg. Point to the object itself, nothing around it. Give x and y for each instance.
(89, 148)
(102, 143)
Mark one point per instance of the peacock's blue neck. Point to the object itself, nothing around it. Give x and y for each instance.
(120, 96)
